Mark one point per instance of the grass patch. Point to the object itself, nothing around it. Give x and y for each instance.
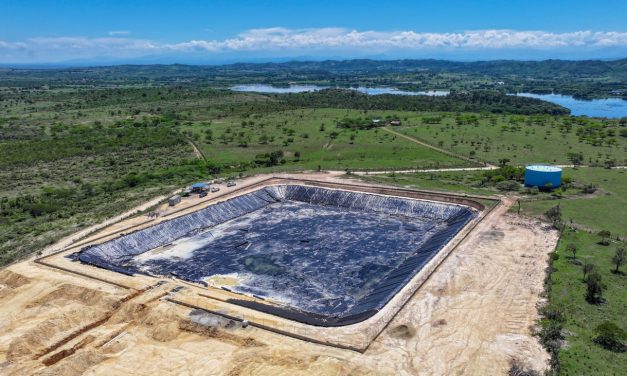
(580, 354)
(524, 139)
(603, 210)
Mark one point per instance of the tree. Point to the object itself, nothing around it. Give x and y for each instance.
(595, 287)
(572, 248)
(610, 336)
(619, 258)
(555, 215)
(275, 157)
(503, 162)
(508, 185)
(575, 158)
(605, 237)
(567, 181)
(587, 269)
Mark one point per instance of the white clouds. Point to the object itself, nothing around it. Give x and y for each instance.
(279, 39)
(119, 32)
(336, 39)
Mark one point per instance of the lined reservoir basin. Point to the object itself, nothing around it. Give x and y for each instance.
(321, 256)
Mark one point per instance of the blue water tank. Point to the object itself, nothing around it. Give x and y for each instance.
(541, 175)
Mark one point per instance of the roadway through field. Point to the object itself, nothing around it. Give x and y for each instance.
(443, 151)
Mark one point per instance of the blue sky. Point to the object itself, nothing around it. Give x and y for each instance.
(214, 31)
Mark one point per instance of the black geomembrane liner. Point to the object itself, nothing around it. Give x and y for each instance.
(316, 255)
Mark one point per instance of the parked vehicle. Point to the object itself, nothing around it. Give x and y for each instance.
(215, 189)
(230, 184)
(202, 194)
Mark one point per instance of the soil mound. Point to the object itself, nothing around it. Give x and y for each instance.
(46, 334)
(13, 280)
(78, 294)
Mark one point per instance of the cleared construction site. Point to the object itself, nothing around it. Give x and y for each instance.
(309, 273)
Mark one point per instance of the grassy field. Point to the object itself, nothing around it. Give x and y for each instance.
(580, 355)
(310, 139)
(603, 210)
(454, 181)
(523, 139)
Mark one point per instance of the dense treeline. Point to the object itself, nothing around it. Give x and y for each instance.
(489, 101)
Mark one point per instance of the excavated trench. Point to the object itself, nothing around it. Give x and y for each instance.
(320, 256)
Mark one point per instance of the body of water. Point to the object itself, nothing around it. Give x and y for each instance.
(609, 107)
(259, 88)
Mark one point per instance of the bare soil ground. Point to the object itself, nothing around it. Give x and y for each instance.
(472, 316)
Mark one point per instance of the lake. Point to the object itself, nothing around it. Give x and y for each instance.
(609, 107)
(259, 88)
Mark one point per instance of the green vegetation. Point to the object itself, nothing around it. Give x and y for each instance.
(310, 139)
(525, 139)
(455, 181)
(583, 79)
(583, 286)
(79, 175)
(600, 210)
(584, 293)
(610, 336)
(474, 101)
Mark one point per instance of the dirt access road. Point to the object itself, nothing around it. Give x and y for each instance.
(428, 145)
(471, 317)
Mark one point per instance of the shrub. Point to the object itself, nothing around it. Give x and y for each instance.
(555, 215)
(508, 185)
(589, 188)
(618, 259)
(551, 339)
(517, 368)
(610, 336)
(567, 181)
(553, 313)
(605, 237)
(587, 268)
(594, 289)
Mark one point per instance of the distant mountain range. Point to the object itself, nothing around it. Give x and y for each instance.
(489, 67)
